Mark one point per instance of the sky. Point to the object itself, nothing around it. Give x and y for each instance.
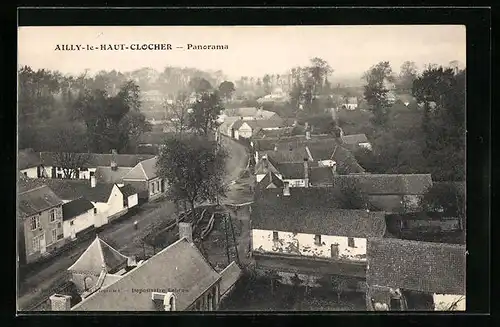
(252, 50)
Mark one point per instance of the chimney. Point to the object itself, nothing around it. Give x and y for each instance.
(286, 189)
(306, 172)
(186, 230)
(308, 135)
(306, 125)
(92, 181)
(275, 147)
(113, 159)
(60, 302)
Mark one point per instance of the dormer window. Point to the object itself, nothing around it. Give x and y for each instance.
(350, 242)
(317, 239)
(275, 236)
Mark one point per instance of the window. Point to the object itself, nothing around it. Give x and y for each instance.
(54, 235)
(275, 236)
(58, 225)
(60, 236)
(83, 169)
(34, 222)
(95, 211)
(158, 186)
(36, 243)
(317, 239)
(25, 174)
(92, 173)
(350, 242)
(52, 215)
(152, 187)
(71, 223)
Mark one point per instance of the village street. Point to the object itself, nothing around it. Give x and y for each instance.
(39, 284)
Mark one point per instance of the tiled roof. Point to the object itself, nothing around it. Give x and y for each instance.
(286, 155)
(418, 266)
(264, 123)
(128, 190)
(145, 170)
(385, 184)
(36, 200)
(229, 276)
(72, 189)
(99, 159)
(269, 180)
(320, 176)
(99, 254)
(354, 139)
(109, 175)
(345, 160)
(273, 134)
(76, 207)
(313, 211)
(180, 266)
(291, 170)
(27, 158)
(264, 166)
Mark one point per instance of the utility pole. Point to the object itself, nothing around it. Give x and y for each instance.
(234, 239)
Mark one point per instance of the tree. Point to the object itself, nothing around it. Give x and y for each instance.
(441, 93)
(266, 80)
(349, 195)
(319, 70)
(375, 91)
(178, 112)
(206, 111)
(226, 89)
(68, 151)
(194, 170)
(447, 198)
(339, 283)
(407, 75)
(200, 85)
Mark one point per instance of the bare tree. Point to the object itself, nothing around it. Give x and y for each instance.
(68, 152)
(178, 112)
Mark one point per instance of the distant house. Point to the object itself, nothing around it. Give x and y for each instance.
(400, 270)
(40, 222)
(247, 128)
(144, 178)
(191, 284)
(300, 232)
(356, 140)
(390, 192)
(78, 215)
(249, 113)
(417, 224)
(351, 103)
(226, 126)
(49, 164)
(28, 162)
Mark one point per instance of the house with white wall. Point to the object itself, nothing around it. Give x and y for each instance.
(401, 271)
(109, 201)
(78, 216)
(28, 163)
(82, 165)
(302, 231)
(144, 178)
(39, 222)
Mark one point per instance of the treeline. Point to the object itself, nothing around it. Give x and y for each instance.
(426, 138)
(77, 113)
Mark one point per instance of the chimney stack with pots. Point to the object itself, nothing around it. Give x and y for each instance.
(186, 230)
(286, 189)
(114, 166)
(60, 302)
